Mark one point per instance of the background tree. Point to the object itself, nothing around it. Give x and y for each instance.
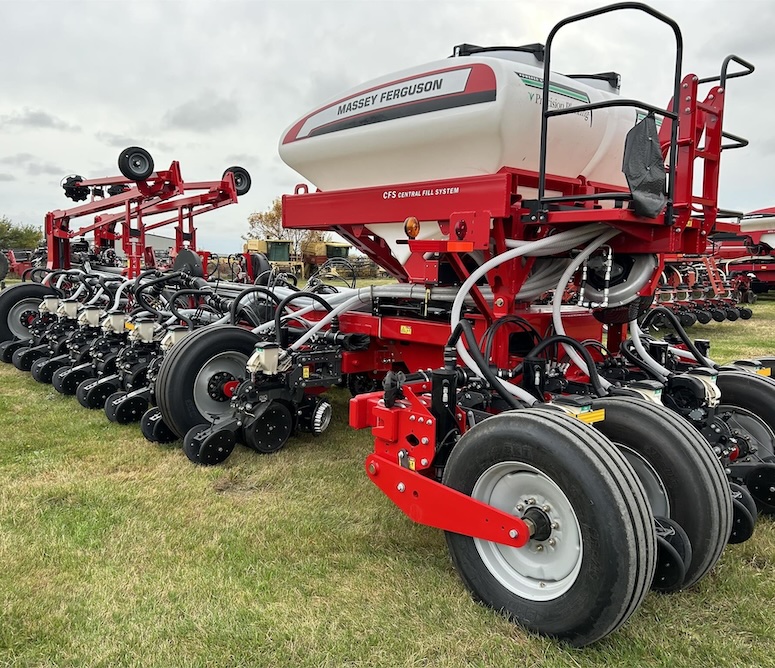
(268, 225)
(13, 235)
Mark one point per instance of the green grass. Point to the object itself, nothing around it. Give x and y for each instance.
(117, 552)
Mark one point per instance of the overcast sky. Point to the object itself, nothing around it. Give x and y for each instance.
(214, 83)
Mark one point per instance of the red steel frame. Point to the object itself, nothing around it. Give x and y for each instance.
(163, 193)
(479, 213)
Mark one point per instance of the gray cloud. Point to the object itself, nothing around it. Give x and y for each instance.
(242, 159)
(202, 114)
(7, 177)
(125, 140)
(37, 168)
(18, 159)
(37, 118)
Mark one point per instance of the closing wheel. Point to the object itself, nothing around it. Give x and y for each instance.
(674, 555)
(154, 428)
(583, 577)
(197, 377)
(135, 163)
(745, 312)
(43, 369)
(703, 317)
(761, 484)
(681, 474)
(269, 432)
(8, 348)
(242, 180)
(67, 379)
(743, 523)
(24, 358)
(208, 447)
(18, 308)
(112, 403)
(718, 315)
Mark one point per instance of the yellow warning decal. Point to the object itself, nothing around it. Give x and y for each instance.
(305, 372)
(590, 417)
(764, 371)
(129, 325)
(406, 329)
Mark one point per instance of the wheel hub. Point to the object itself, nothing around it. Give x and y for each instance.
(221, 386)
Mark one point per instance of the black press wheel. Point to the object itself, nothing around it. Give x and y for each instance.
(754, 394)
(682, 476)
(154, 428)
(241, 179)
(703, 317)
(195, 377)
(135, 163)
(18, 308)
(590, 572)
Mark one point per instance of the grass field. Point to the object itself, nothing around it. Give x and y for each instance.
(117, 552)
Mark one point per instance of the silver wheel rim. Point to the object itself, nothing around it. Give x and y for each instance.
(752, 426)
(541, 570)
(230, 362)
(139, 163)
(655, 489)
(15, 314)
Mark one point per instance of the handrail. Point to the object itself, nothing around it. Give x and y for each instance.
(673, 113)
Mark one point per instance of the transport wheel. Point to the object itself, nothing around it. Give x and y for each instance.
(755, 395)
(682, 476)
(154, 428)
(195, 377)
(589, 571)
(703, 317)
(241, 179)
(18, 308)
(750, 297)
(135, 163)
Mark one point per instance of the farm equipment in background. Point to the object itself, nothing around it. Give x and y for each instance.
(697, 291)
(142, 200)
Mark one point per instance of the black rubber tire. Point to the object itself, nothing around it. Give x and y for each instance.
(718, 315)
(242, 181)
(43, 369)
(687, 318)
(615, 522)
(8, 348)
(135, 163)
(12, 296)
(4, 266)
(694, 480)
(179, 369)
(745, 312)
(732, 314)
(750, 391)
(703, 317)
(67, 383)
(110, 406)
(154, 428)
(24, 358)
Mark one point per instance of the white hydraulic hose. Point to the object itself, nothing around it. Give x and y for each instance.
(548, 245)
(557, 301)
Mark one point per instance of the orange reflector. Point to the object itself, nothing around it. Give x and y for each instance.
(764, 371)
(460, 246)
(412, 227)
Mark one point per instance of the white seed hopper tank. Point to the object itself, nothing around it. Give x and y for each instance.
(461, 116)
